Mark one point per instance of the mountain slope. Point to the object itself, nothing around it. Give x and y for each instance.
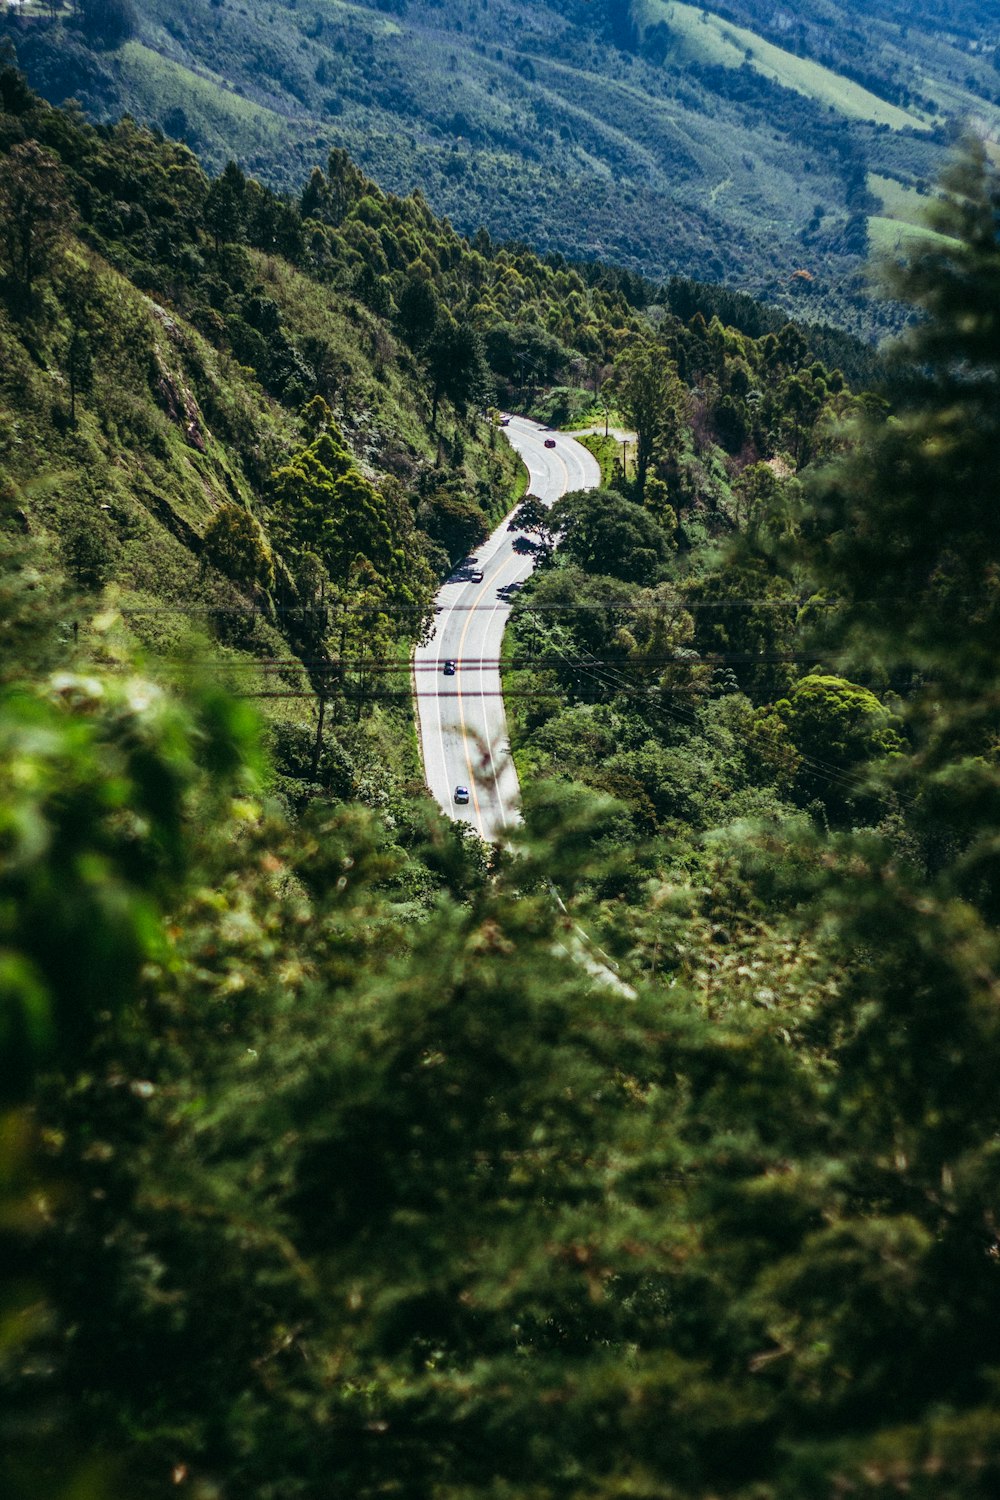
(725, 142)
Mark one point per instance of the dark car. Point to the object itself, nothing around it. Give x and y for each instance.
(461, 794)
(449, 669)
(505, 421)
(550, 442)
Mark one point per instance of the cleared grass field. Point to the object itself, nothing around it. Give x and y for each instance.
(903, 219)
(893, 237)
(163, 84)
(379, 25)
(900, 202)
(710, 39)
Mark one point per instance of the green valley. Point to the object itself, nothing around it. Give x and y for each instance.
(716, 143)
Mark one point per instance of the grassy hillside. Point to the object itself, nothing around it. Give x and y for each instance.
(719, 142)
(698, 36)
(253, 431)
(155, 381)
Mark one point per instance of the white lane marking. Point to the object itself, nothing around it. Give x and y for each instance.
(440, 725)
(500, 604)
(460, 703)
(543, 478)
(429, 696)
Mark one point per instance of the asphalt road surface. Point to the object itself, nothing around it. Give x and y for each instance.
(463, 727)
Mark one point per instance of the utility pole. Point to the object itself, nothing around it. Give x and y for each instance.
(320, 718)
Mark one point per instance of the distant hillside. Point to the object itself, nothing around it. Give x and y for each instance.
(741, 142)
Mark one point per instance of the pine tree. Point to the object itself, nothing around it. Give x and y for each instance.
(906, 531)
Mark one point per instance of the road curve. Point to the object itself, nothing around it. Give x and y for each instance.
(463, 727)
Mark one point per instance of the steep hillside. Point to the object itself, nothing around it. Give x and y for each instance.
(253, 432)
(729, 142)
(232, 466)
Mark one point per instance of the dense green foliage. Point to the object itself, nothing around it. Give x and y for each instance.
(289, 392)
(331, 1162)
(209, 424)
(733, 142)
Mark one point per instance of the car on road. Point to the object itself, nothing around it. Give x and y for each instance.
(461, 794)
(476, 575)
(550, 442)
(449, 668)
(505, 421)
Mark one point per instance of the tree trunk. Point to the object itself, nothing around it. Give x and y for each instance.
(318, 745)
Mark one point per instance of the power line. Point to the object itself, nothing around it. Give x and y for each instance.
(329, 665)
(304, 610)
(824, 770)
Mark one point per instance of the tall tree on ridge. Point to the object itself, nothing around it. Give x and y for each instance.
(649, 395)
(34, 212)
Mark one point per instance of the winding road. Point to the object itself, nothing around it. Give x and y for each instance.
(463, 727)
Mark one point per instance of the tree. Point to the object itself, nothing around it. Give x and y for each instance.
(456, 366)
(605, 533)
(225, 206)
(347, 184)
(16, 98)
(273, 224)
(914, 505)
(838, 730)
(801, 398)
(624, 32)
(108, 23)
(650, 396)
(746, 613)
(903, 532)
(325, 505)
(756, 491)
(315, 202)
(316, 417)
(419, 310)
(81, 308)
(34, 213)
(656, 502)
(99, 842)
(453, 519)
(373, 291)
(535, 517)
(235, 544)
(362, 527)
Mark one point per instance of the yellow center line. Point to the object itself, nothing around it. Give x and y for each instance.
(461, 711)
(498, 604)
(487, 585)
